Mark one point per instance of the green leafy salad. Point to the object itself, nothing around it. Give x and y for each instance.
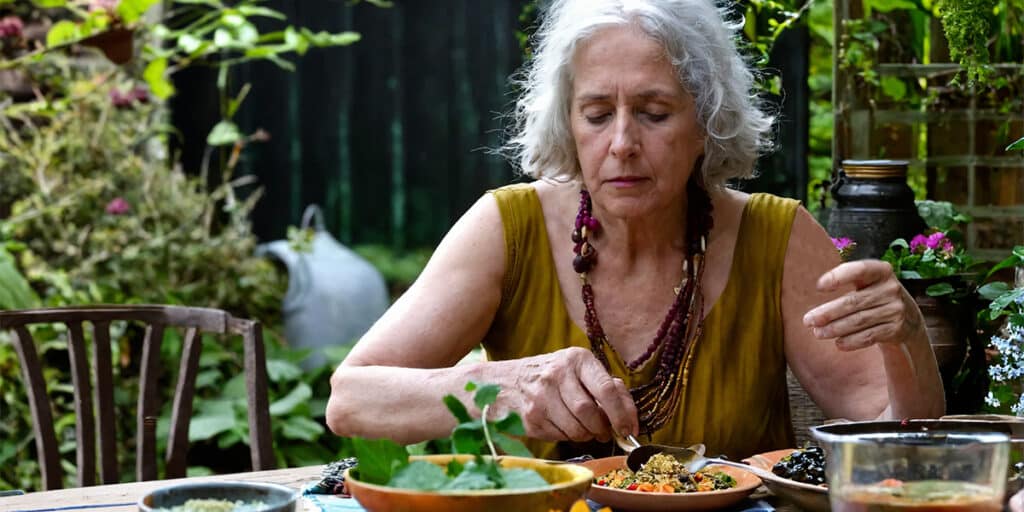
(384, 462)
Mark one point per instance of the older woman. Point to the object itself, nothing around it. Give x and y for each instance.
(627, 289)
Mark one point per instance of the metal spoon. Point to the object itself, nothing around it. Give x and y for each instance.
(691, 457)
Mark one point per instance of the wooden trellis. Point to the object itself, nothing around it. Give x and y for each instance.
(953, 136)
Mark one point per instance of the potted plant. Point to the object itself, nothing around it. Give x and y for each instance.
(942, 278)
(1006, 349)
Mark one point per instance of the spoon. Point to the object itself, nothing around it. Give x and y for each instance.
(692, 458)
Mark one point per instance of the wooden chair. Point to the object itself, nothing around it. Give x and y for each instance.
(803, 412)
(194, 321)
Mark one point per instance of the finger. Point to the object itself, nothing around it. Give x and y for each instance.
(877, 334)
(859, 274)
(859, 321)
(583, 407)
(885, 292)
(616, 402)
(563, 420)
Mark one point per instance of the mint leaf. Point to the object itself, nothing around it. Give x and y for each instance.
(420, 475)
(521, 478)
(511, 424)
(379, 459)
(468, 437)
(473, 477)
(457, 408)
(486, 395)
(455, 467)
(511, 446)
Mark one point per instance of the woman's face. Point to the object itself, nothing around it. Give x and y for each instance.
(635, 127)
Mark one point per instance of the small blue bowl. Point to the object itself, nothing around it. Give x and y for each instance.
(274, 498)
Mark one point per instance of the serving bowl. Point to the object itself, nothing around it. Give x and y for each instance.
(567, 483)
(622, 499)
(273, 497)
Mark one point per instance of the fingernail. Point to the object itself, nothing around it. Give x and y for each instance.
(818, 332)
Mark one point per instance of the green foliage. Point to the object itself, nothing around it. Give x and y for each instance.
(967, 25)
(385, 462)
(1019, 144)
(928, 256)
(104, 221)
(399, 268)
(941, 215)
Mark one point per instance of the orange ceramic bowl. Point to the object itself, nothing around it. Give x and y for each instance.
(621, 499)
(567, 484)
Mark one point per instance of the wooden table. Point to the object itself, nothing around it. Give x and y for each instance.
(123, 497)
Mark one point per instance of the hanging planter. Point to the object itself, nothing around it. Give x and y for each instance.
(116, 44)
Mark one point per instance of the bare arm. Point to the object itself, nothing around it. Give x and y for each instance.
(393, 381)
(849, 330)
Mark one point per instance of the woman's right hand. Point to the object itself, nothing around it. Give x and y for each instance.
(568, 395)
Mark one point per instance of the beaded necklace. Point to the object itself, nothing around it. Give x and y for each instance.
(657, 399)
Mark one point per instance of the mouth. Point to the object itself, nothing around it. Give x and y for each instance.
(625, 181)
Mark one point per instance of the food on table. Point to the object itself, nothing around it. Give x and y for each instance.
(892, 495)
(206, 505)
(805, 465)
(663, 473)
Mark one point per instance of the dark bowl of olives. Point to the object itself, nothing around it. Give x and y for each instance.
(801, 475)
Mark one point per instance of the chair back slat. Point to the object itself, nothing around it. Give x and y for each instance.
(39, 406)
(148, 409)
(104, 370)
(261, 448)
(181, 410)
(85, 424)
(156, 318)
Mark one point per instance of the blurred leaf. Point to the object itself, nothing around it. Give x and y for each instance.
(301, 428)
(62, 32)
(155, 76)
(298, 396)
(131, 10)
(281, 371)
(224, 133)
(205, 427)
(1019, 144)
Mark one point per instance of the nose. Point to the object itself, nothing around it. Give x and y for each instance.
(625, 142)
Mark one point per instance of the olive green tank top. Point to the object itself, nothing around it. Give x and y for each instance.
(734, 398)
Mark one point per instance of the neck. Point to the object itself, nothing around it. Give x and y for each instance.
(626, 243)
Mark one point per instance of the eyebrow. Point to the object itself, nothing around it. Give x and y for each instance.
(647, 94)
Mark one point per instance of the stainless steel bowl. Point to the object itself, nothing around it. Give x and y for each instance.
(275, 498)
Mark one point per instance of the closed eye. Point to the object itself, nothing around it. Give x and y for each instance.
(657, 118)
(598, 119)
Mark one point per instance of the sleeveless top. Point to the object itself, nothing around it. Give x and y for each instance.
(734, 398)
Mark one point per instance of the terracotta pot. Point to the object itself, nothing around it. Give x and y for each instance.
(947, 324)
(116, 44)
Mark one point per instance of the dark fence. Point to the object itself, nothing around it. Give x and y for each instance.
(389, 135)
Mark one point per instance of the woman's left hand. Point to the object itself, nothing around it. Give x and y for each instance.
(877, 310)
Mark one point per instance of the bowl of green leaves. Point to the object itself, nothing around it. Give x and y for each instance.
(473, 477)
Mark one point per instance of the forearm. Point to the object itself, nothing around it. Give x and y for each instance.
(914, 384)
(403, 404)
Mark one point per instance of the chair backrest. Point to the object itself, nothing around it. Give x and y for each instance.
(803, 412)
(194, 321)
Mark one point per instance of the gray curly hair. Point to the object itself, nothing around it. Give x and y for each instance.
(701, 46)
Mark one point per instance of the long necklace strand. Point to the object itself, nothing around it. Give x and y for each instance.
(657, 399)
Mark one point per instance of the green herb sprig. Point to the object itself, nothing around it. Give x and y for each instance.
(384, 462)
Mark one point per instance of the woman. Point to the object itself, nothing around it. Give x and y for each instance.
(633, 116)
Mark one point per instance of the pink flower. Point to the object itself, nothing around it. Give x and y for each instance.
(918, 242)
(948, 248)
(843, 243)
(11, 26)
(139, 94)
(103, 5)
(118, 206)
(935, 239)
